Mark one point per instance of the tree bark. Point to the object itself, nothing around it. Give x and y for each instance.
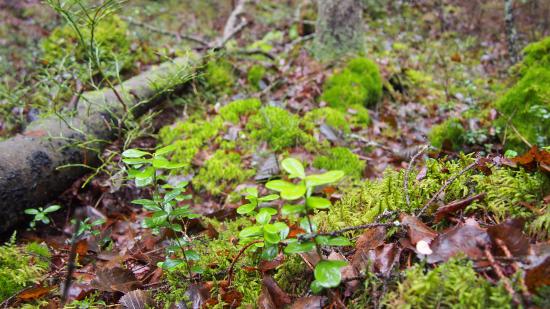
(32, 170)
(339, 29)
(511, 32)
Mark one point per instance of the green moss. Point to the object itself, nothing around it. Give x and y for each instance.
(328, 116)
(293, 267)
(223, 170)
(536, 54)
(110, 39)
(20, 267)
(278, 127)
(450, 130)
(216, 258)
(526, 106)
(453, 284)
(359, 83)
(219, 75)
(233, 111)
(360, 116)
(255, 75)
(341, 158)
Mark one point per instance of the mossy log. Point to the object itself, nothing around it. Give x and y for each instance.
(39, 164)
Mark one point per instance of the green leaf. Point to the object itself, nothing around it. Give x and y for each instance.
(246, 208)
(148, 172)
(134, 153)
(318, 202)
(263, 216)
(268, 198)
(271, 211)
(270, 252)
(172, 195)
(297, 247)
(275, 228)
(333, 241)
(143, 182)
(294, 168)
(253, 191)
(170, 263)
(304, 225)
(279, 185)
(289, 191)
(315, 287)
(323, 179)
(165, 150)
(192, 255)
(147, 204)
(31, 211)
(134, 161)
(163, 163)
(251, 231)
(289, 209)
(197, 269)
(271, 238)
(327, 273)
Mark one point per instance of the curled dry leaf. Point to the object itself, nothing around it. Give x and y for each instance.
(279, 298)
(383, 258)
(455, 206)
(116, 280)
(137, 299)
(534, 158)
(270, 265)
(265, 301)
(468, 238)
(310, 302)
(417, 230)
(538, 275)
(510, 233)
(33, 293)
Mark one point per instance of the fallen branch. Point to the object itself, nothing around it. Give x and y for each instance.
(445, 185)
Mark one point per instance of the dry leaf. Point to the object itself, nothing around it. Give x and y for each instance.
(116, 280)
(137, 299)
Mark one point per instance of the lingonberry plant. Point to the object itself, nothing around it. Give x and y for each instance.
(146, 169)
(40, 214)
(271, 234)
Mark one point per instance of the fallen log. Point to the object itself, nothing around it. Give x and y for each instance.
(39, 164)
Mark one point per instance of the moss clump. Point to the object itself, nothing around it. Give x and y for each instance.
(233, 111)
(20, 267)
(221, 171)
(526, 106)
(536, 54)
(219, 76)
(278, 127)
(341, 158)
(453, 284)
(449, 131)
(255, 75)
(293, 267)
(110, 39)
(328, 116)
(359, 83)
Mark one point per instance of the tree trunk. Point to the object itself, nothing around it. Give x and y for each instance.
(33, 165)
(511, 32)
(339, 29)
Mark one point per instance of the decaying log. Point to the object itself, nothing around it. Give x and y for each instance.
(33, 165)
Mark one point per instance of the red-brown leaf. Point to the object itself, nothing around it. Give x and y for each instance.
(510, 232)
(417, 229)
(280, 298)
(116, 280)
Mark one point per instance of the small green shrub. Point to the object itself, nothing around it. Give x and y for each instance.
(453, 284)
(341, 158)
(20, 267)
(450, 130)
(223, 170)
(255, 75)
(233, 111)
(219, 76)
(278, 127)
(359, 83)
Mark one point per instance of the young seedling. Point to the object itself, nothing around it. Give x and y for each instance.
(41, 214)
(301, 204)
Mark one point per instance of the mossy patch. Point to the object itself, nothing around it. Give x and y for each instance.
(341, 158)
(233, 111)
(21, 266)
(359, 83)
(222, 170)
(448, 133)
(453, 284)
(536, 54)
(278, 127)
(255, 74)
(219, 76)
(329, 116)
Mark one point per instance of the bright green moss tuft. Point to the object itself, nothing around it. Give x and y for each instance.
(328, 116)
(221, 171)
(255, 75)
(359, 83)
(526, 107)
(536, 54)
(278, 127)
(219, 76)
(233, 111)
(450, 130)
(341, 158)
(453, 284)
(20, 267)
(360, 115)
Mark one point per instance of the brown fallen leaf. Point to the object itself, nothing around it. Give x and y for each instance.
(137, 299)
(383, 258)
(116, 280)
(232, 297)
(534, 158)
(279, 297)
(33, 293)
(310, 302)
(455, 206)
(468, 238)
(510, 232)
(417, 230)
(538, 275)
(266, 266)
(265, 301)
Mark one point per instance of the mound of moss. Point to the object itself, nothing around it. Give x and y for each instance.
(359, 83)
(219, 76)
(21, 266)
(255, 75)
(536, 54)
(341, 158)
(233, 111)
(453, 284)
(449, 132)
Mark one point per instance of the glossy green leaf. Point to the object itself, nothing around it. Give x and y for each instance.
(279, 185)
(299, 247)
(165, 150)
(333, 241)
(253, 191)
(316, 202)
(251, 231)
(192, 255)
(246, 208)
(143, 182)
(325, 178)
(134, 161)
(327, 273)
(31, 211)
(147, 204)
(134, 153)
(289, 209)
(271, 238)
(316, 287)
(263, 216)
(268, 198)
(305, 225)
(294, 168)
(52, 208)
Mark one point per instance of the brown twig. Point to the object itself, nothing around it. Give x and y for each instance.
(408, 171)
(230, 270)
(71, 264)
(524, 290)
(501, 276)
(347, 229)
(177, 35)
(445, 185)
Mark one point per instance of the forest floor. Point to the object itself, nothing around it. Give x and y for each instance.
(432, 206)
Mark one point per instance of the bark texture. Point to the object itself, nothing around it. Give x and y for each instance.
(511, 32)
(31, 172)
(339, 28)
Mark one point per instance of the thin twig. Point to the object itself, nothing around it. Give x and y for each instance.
(407, 173)
(71, 265)
(524, 290)
(445, 185)
(501, 276)
(230, 271)
(347, 229)
(177, 35)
